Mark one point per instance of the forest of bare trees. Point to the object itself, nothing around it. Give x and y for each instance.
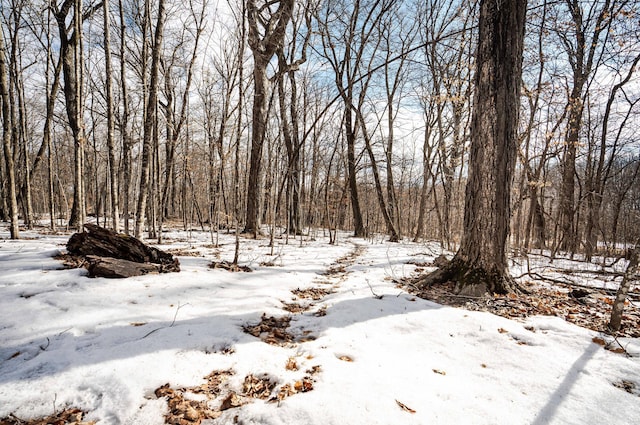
(285, 116)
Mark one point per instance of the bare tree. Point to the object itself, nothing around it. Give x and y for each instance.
(348, 34)
(113, 174)
(6, 138)
(124, 120)
(480, 265)
(267, 26)
(621, 296)
(72, 68)
(150, 121)
(601, 169)
(289, 105)
(582, 44)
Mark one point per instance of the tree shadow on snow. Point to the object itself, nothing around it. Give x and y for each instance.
(61, 351)
(563, 391)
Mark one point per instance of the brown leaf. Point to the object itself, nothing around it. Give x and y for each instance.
(439, 372)
(502, 330)
(232, 400)
(599, 341)
(405, 407)
(291, 364)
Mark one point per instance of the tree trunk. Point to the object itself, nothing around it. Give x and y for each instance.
(623, 290)
(6, 140)
(124, 132)
(358, 223)
(567, 203)
(150, 121)
(265, 37)
(259, 121)
(385, 209)
(71, 56)
(113, 174)
(480, 265)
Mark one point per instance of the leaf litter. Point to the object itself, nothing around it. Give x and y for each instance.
(272, 330)
(315, 294)
(69, 416)
(591, 311)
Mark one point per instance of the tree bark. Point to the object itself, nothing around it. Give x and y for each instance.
(581, 53)
(480, 265)
(72, 63)
(263, 48)
(150, 121)
(113, 174)
(621, 296)
(124, 131)
(6, 140)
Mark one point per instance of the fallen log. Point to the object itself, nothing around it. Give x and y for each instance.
(111, 254)
(118, 268)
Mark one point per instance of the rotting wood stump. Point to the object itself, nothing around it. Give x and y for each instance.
(117, 255)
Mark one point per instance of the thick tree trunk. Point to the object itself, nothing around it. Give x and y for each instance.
(480, 265)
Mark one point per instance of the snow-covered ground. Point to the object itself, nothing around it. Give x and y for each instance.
(104, 346)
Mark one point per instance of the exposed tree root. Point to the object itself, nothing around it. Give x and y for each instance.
(470, 280)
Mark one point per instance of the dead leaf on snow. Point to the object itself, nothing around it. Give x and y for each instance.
(272, 330)
(70, 416)
(291, 364)
(439, 372)
(617, 350)
(313, 293)
(625, 385)
(590, 312)
(231, 400)
(405, 407)
(255, 387)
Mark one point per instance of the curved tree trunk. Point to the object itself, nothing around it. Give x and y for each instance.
(480, 265)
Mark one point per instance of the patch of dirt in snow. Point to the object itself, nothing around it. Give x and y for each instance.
(591, 312)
